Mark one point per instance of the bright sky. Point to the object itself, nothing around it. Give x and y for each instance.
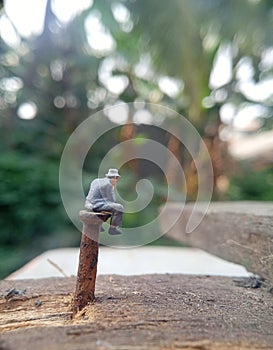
(28, 15)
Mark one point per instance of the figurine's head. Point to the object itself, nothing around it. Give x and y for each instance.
(113, 176)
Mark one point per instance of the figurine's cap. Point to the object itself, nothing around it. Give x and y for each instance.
(112, 173)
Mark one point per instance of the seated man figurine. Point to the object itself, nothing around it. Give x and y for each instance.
(101, 197)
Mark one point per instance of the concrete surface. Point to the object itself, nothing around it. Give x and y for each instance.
(136, 261)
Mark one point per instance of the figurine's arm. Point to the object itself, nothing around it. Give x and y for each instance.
(108, 193)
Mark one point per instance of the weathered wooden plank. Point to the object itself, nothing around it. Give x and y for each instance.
(241, 232)
(138, 312)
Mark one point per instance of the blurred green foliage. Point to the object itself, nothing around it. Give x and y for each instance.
(29, 196)
(32, 214)
(250, 184)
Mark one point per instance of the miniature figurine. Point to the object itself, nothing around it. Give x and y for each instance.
(101, 197)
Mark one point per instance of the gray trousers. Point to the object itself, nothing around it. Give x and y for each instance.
(117, 212)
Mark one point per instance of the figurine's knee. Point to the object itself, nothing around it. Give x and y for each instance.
(118, 207)
(88, 205)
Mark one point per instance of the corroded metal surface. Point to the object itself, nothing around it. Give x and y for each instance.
(88, 260)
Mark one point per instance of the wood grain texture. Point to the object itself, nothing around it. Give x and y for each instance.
(240, 232)
(139, 312)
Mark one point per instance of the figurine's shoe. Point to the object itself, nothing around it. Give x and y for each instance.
(113, 230)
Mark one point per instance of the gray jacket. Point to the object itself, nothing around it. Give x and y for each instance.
(101, 192)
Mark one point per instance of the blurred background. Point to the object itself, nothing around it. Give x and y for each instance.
(62, 61)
